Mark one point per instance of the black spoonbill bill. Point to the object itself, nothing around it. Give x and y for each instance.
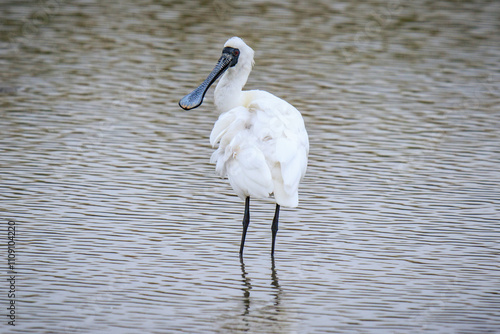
(262, 141)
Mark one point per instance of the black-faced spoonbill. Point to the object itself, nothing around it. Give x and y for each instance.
(263, 143)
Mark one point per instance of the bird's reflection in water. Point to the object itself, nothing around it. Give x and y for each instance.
(263, 309)
(247, 286)
(276, 284)
(257, 315)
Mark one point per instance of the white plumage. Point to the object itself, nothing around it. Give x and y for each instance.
(263, 148)
(262, 141)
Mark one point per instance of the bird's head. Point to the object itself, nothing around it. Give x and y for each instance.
(245, 53)
(236, 56)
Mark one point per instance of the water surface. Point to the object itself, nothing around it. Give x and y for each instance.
(124, 227)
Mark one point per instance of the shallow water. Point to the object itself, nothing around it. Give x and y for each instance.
(122, 225)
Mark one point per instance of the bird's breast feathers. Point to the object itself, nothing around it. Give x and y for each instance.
(263, 147)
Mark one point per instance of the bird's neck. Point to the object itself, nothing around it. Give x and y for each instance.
(228, 93)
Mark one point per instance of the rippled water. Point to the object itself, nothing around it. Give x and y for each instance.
(123, 227)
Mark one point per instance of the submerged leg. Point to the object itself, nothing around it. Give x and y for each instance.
(274, 227)
(246, 222)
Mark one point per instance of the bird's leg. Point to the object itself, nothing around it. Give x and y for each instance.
(246, 222)
(274, 227)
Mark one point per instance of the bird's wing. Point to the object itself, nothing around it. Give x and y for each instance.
(230, 122)
(263, 148)
(225, 129)
(280, 130)
(247, 169)
(238, 156)
(292, 156)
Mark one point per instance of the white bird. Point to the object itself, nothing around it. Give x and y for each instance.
(262, 141)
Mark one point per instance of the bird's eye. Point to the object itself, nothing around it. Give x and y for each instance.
(236, 52)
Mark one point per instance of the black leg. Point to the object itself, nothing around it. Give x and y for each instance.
(246, 222)
(274, 227)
